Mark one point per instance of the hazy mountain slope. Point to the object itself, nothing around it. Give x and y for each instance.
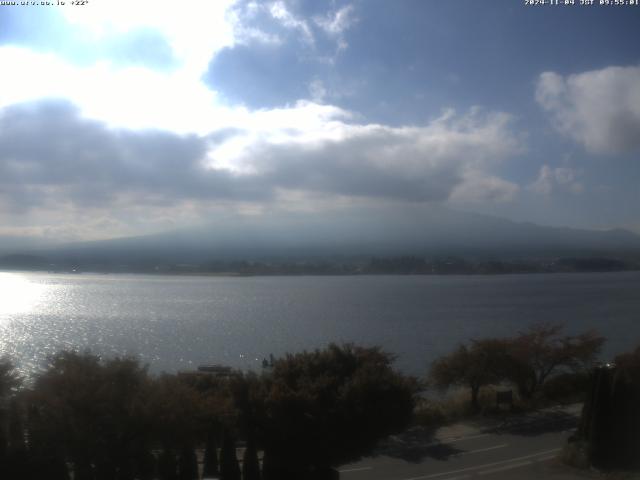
(434, 233)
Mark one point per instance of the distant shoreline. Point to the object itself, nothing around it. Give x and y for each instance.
(307, 274)
(337, 266)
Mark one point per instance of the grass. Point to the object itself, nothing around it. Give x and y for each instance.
(455, 406)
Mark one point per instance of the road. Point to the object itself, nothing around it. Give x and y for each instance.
(522, 447)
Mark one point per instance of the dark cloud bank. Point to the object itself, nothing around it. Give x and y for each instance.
(49, 154)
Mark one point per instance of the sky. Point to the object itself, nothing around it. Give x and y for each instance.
(122, 118)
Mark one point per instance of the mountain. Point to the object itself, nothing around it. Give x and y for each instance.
(431, 233)
(11, 244)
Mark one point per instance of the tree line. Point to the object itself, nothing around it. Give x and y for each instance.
(387, 265)
(526, 361)
(305, 414)
(89, 418)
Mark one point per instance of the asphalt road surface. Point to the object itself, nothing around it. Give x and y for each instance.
(524, 447)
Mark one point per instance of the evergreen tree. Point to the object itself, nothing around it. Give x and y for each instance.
(188, 464)
(268, 471)
(56, 469)
(83, 471)
(274, 467)
(16, 425)
(250, 463)
(49, 467)
(167, 467)
(211, 467)
(229, 468)
(125, 470)
(146, 466)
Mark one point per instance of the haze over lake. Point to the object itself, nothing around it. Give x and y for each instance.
(175, 323)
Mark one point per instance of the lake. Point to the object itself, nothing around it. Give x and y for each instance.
(177, 322)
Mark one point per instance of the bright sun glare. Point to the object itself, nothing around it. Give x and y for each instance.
(17, 294)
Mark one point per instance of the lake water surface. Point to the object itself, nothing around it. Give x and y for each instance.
(175, 323)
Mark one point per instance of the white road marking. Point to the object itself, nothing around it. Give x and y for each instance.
(359, 469)
(479, 450)
(517, 465)
(460, 439)
(476, 467)
(482, 449)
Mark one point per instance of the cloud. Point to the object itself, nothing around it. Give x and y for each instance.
(148, 72)
(131, 97)
(194, 32)
(123, 145)
(50, 155)
(336, 22)
(281, 13)
(84, 164)
(477, 186)
(403, 163)
(269, 22)
(599, 109)
(317, 90)
(144, 47)
(46, 30)
(279, 49)
(552, 180)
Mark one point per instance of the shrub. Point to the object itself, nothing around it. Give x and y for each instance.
(566, 387)
(329, 407)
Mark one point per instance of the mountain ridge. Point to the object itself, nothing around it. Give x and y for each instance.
(435, 233)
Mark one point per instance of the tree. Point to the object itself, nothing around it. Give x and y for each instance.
(329, 407)
(472, 366)
(176, 407)
(541, 351)
(9, 382)
(250, 463)
(210, 467)
(146, 466)
(167, 465)
(609, 431)
(229, 468)
(629, 365)
(16, 425)
(93, 413)
(188, 464)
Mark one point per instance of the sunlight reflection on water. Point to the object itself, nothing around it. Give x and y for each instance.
(19, 295)
(175, 323)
